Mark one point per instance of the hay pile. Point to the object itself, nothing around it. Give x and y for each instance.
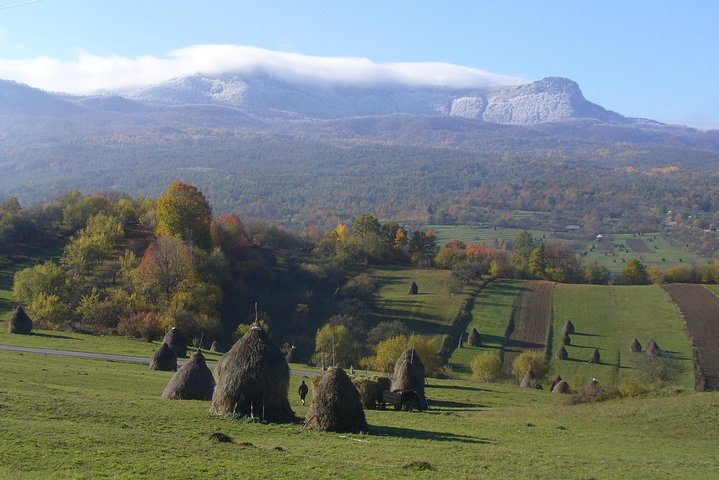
(566, 339)
(409, 375)
(193, 381)
(562, 353)
(370, 390)
(177, 342)
(653, 349)
(474, 340)
(594, 357)
(635, 347)
(217, 347)
(413, 289)
(164, 359)
(19, 322)
(290, 357)
(561, 387)
(528, 379)
(555, 382)
(253, 379)
(336, 405)
(568, 327)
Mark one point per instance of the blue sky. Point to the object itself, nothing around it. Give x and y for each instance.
(655, 59)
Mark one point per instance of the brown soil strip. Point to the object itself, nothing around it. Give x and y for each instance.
(638, 245)
(700, 308)
(532, 312)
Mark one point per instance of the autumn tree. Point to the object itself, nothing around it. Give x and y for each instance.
(366, 224)
(538, 261)
(635, 273)
(335, 345)
(183, 211)
(167, 263)
(229, 235)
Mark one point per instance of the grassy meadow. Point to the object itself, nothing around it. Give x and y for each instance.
(68, 418)
(609, 318)
(482, 235)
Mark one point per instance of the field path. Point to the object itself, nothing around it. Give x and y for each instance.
(700, 308)
(532, 312)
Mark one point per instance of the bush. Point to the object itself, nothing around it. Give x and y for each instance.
(657, 370)
(50, 311)
(145, 325)
(388, 351)
(530, 360)
(486, 367)
(632, 387)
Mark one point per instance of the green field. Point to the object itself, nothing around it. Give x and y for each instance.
(482, 235)
(490, 316)
(66, 418)
(614, 252)
(609, 318)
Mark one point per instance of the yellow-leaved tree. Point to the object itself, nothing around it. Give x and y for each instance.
(389, 350)
(183, 211)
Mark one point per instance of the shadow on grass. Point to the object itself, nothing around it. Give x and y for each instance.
(460, 387)
(53, 335)
(447, 404)
(588, 334)
(424, 435)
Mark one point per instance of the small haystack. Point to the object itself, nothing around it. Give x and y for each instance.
(555, 382)
(164, 359)
(413, 289)
(562, 353)
(291, 353)
(177, 342)
(566, 339)
(561, 387)
(592, 389)
(409, 375)
(370, 390)
(253, 379)
(336, 405)
(653, 349)
(217, 347)
(568, 327)
(474, 340)
(594, 357)
(528, 379)
(193, 381)
(635, 347)
(19, 322)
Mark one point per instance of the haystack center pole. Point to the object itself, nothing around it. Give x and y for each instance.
(334, 362)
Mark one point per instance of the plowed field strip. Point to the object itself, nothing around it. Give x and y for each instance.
(700, 308)
(531, 318)
(638, 245)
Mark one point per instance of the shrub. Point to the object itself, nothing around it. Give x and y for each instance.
(658, 370)
(486, 367)
(145, 325)
(530, 360)
(50, 311)
(632, 387)
(388, 351)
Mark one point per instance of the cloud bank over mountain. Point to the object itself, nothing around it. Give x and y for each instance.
(91, 72)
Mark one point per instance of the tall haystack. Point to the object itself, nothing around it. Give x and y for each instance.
(290, 357)
(217, 347)
(566, 339)
(635, 347)
(409, 375)
(528, 379)
(653, 349)
(19, 322)
(370, 390)
(193, 381)
(413, 289)
(474, 340)
(594, 356)
(336, 405)
(561, 387)
(568, 327)
(164, 358)
(253, 379)
(177, 342)
(562, 353)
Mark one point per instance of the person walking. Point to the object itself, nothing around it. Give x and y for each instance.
(303, 391)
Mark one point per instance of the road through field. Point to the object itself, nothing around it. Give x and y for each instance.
(700, 308)
(532, 313)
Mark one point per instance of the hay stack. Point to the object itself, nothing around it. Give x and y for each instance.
(253, 379)
(561, 387)
(409, 375)
(562, 353)
(653, 349)
(290, 357)
(336, 405)
(217, 347)
(369, 390)
(177, 342)
(592, 389)
(566, 339)
(568, 327)
(164, 359)
(555, 382)
(193, 381)
(413, 289)
(635, 347)
(594, 357)
(19, 322)
(474, 340)
(528, 379)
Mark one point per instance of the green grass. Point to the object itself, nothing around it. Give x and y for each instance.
(430, 312)
(609, 318)
(68, 418)
(667, 252)
(482, 235)
(490, 316)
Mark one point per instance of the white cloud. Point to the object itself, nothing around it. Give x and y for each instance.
(92, 72)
